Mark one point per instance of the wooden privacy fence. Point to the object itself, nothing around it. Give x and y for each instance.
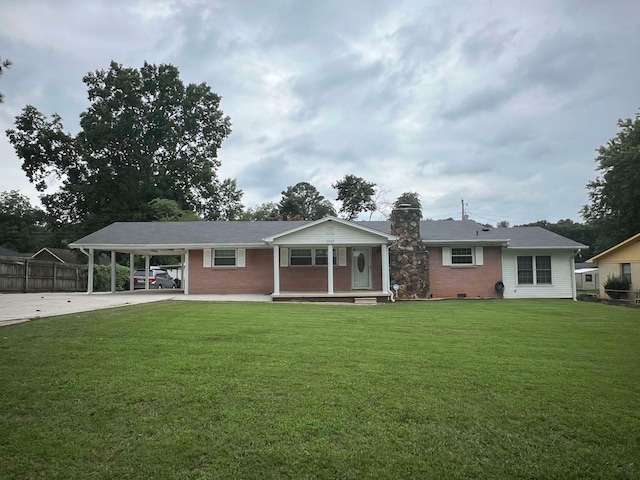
(28, 275)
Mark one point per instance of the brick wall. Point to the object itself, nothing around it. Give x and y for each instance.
(256, 277)
(314, 279)
(473, 280)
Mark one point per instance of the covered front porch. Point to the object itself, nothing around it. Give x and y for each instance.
(331, 260)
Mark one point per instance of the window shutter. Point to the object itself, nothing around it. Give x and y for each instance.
(206, 258)
(342, 257)
(284, 257)
(241, 255)
(479, 256)
(446, 255)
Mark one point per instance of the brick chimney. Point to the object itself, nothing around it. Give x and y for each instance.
(408, 258)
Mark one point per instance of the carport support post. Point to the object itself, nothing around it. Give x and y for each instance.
(330, 269)
(90, 272)
(113, 271)
(276, 270)
(185, 276)
(131, 271)
(146, 271)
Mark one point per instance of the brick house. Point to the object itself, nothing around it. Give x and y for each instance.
(336, 259)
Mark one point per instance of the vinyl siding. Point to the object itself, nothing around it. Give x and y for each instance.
(330, 232)
(562, 275)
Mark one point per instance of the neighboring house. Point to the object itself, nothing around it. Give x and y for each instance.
(58, 255)
(587, 276)
(5, 252)
(623, 260)
(337, 259)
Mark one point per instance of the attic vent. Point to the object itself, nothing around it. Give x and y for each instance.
(329, 230)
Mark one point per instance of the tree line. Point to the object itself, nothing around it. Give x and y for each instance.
(147, 150)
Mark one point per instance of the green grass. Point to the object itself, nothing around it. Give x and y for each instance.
(460, 389)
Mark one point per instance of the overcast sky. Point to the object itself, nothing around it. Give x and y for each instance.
(501, 103)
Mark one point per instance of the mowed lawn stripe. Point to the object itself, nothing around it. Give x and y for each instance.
(459, 389)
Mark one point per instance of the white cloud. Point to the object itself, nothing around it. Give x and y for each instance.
(501, 104)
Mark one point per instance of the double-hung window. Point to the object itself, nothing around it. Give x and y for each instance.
(461, 256)
(625, 271)
(301, 256)
(321, 256)
(534, 270)
(311, 256)
(224, 258)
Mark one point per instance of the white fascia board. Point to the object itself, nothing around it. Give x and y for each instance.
(479, 243)
(191, 246)
(45, 249)
(549, 248)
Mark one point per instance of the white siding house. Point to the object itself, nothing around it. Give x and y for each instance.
(529, 277)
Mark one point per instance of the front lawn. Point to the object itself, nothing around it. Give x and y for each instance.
(459, 389)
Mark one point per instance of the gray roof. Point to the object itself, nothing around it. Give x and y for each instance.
(171, 234)
(5, 252)
(433, 232)
(66, 255)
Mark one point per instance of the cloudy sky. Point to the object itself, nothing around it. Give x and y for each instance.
(501, 103)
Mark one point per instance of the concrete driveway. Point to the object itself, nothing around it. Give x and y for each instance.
(22, 307)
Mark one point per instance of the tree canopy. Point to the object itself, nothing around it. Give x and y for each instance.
(615, 194)
(303, 201)
(22, 226)
(146, 135)
(356, 195)
(267, 211)
(408, 198)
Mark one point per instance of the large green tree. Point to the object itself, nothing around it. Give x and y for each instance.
(356, 195)
(146, 135)
(303, 201)
(408, 198)
(22, 227)
(615, 194)
(267, 211)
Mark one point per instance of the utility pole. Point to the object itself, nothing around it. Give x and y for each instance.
(464, 215)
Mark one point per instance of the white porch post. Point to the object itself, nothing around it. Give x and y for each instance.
(113, 271)
(131, 271)
(185, 275)
(384, 248)
(90, 272)
(330, 269)
(146, 271)
(276, 270)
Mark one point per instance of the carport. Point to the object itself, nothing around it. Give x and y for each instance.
(146, 252)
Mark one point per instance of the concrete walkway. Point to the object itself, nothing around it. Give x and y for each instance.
(22, 307)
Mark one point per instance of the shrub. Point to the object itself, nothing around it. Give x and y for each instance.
(617, 287)
(102, 278)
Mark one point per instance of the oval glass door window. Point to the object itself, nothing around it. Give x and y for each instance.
(360, 262)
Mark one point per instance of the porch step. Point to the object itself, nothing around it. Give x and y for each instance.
(365, 300)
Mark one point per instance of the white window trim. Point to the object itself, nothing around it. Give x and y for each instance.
(208, 258)
(339, 255)
(534, 262)
(477, 257)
